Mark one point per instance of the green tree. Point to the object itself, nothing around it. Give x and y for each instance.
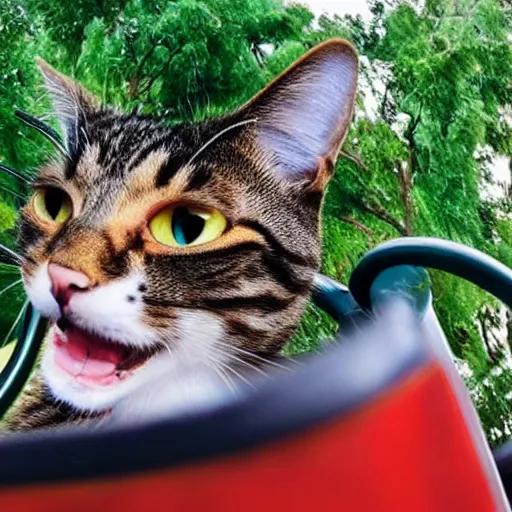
(172, 58)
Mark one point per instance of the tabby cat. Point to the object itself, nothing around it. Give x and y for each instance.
(169, 260)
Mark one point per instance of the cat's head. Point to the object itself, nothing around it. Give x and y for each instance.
(158, 251)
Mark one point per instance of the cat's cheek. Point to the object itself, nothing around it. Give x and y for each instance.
(38, 288)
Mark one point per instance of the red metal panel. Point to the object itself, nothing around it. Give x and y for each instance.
(408, 450)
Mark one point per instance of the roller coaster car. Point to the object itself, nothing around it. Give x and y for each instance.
(378, 420)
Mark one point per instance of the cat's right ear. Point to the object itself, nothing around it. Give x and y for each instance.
(71, 102)
(302, 117)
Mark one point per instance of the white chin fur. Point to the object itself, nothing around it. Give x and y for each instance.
(171, 381)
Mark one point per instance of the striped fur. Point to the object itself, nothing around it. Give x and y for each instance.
(251, 285)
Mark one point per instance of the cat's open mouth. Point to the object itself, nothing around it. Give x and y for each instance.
(91, 359)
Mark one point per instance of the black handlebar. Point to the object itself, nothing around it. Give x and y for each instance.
(457, 259)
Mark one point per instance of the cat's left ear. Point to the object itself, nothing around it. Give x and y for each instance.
(72, 103)
(302, 117)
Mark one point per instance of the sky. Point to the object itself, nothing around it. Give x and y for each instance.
(501, 169)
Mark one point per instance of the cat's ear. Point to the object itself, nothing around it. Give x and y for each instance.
(302, 117)
(71, 102)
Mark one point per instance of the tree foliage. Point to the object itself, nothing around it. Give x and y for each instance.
(433, 112)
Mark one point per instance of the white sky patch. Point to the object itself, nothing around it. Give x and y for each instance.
(502, 176)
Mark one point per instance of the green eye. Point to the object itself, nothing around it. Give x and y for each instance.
(182, 226)
(52, 204)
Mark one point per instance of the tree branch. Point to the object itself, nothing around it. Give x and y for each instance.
(409, 137)
(358, 225)
(258, 55)
(405, 194)
(406, 172)
(381, 214)
(135, 79)
(382, 107)
(355, 159)
(413, 124)
(484, 318)
(488, 348)
(153, 79)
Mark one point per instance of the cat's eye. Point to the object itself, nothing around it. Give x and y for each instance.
(183, 226)
(52, 204)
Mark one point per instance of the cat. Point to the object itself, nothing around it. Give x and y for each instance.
(170, 260)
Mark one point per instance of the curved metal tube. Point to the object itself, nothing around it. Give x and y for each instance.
(22, 360)
(457, 259)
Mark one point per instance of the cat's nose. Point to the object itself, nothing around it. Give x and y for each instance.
(66, 282)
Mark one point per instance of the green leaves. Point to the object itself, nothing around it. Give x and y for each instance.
(171, 58)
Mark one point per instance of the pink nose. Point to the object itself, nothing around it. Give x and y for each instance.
(66, 282)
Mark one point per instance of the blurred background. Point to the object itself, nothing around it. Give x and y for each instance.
(428, 152)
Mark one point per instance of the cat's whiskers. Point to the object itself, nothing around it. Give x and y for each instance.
(227, 367)
(218, 135)
(43, 129)
(14, 193)
(249, 365)
(76, 117)
(12, 285)
(86, 137)
(256, 357)
(226, 379)
(14, 173)
(171, 355)
(13, 255)
(233, 357)
(218, 350)
(186, 352)
(15, 323)
(212, 363)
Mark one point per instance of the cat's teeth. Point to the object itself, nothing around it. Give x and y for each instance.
(63, 337)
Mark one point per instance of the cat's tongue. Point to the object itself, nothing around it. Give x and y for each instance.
(87, 356)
